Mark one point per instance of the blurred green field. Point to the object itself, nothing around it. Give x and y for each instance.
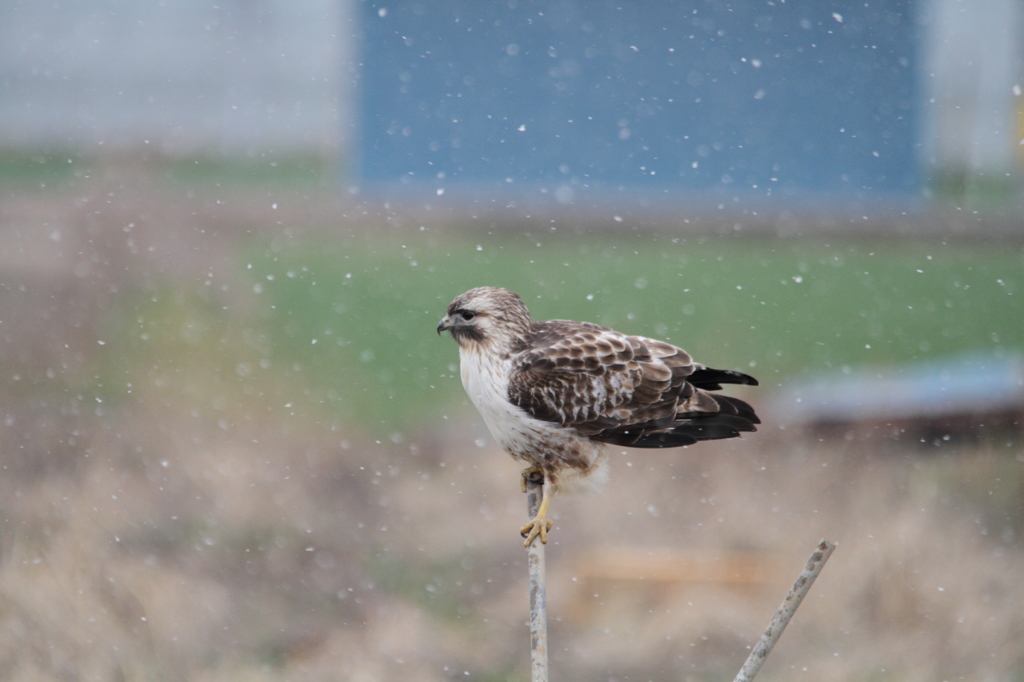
(19, 169)
(308, 172)
(356, 318)
(62, 167)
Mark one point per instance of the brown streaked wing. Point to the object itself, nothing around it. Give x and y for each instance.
(594, 378)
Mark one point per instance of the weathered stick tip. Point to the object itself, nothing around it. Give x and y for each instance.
(785, 612)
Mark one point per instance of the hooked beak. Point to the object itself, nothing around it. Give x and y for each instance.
(444, 325)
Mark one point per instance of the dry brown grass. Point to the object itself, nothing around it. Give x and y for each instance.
(195, 530)
(247, 554)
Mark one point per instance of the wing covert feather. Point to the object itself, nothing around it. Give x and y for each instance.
(594, 378)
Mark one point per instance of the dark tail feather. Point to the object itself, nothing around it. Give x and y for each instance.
(742, 408)
(712, 379)
(727, 406)
(662, 439)
(734, 417)
(714, 427)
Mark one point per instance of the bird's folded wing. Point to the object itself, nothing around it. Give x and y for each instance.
(595, 379)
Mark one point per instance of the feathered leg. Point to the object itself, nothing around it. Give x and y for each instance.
(534, 473)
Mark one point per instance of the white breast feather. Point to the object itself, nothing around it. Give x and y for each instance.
(486, 380)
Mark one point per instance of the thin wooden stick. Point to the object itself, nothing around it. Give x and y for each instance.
(538, 588)
(782, 617)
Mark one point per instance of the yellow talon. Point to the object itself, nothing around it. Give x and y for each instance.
(537, 528)
(540, 525)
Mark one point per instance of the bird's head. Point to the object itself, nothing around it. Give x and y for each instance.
(486, 316)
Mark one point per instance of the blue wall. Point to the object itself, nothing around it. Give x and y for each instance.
(592, 98)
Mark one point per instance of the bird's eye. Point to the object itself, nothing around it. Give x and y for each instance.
(468, 315)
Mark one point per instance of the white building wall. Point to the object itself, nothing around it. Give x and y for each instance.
(973, 76)
(185, 75)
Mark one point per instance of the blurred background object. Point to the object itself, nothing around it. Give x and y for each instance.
(606, 100)
(942, 397)
(571, 100)
(233, 448)
(232, 78)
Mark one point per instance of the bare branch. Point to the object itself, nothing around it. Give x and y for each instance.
(782, 617)
(538, 589)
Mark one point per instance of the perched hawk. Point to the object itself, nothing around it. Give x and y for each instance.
(554, 394)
